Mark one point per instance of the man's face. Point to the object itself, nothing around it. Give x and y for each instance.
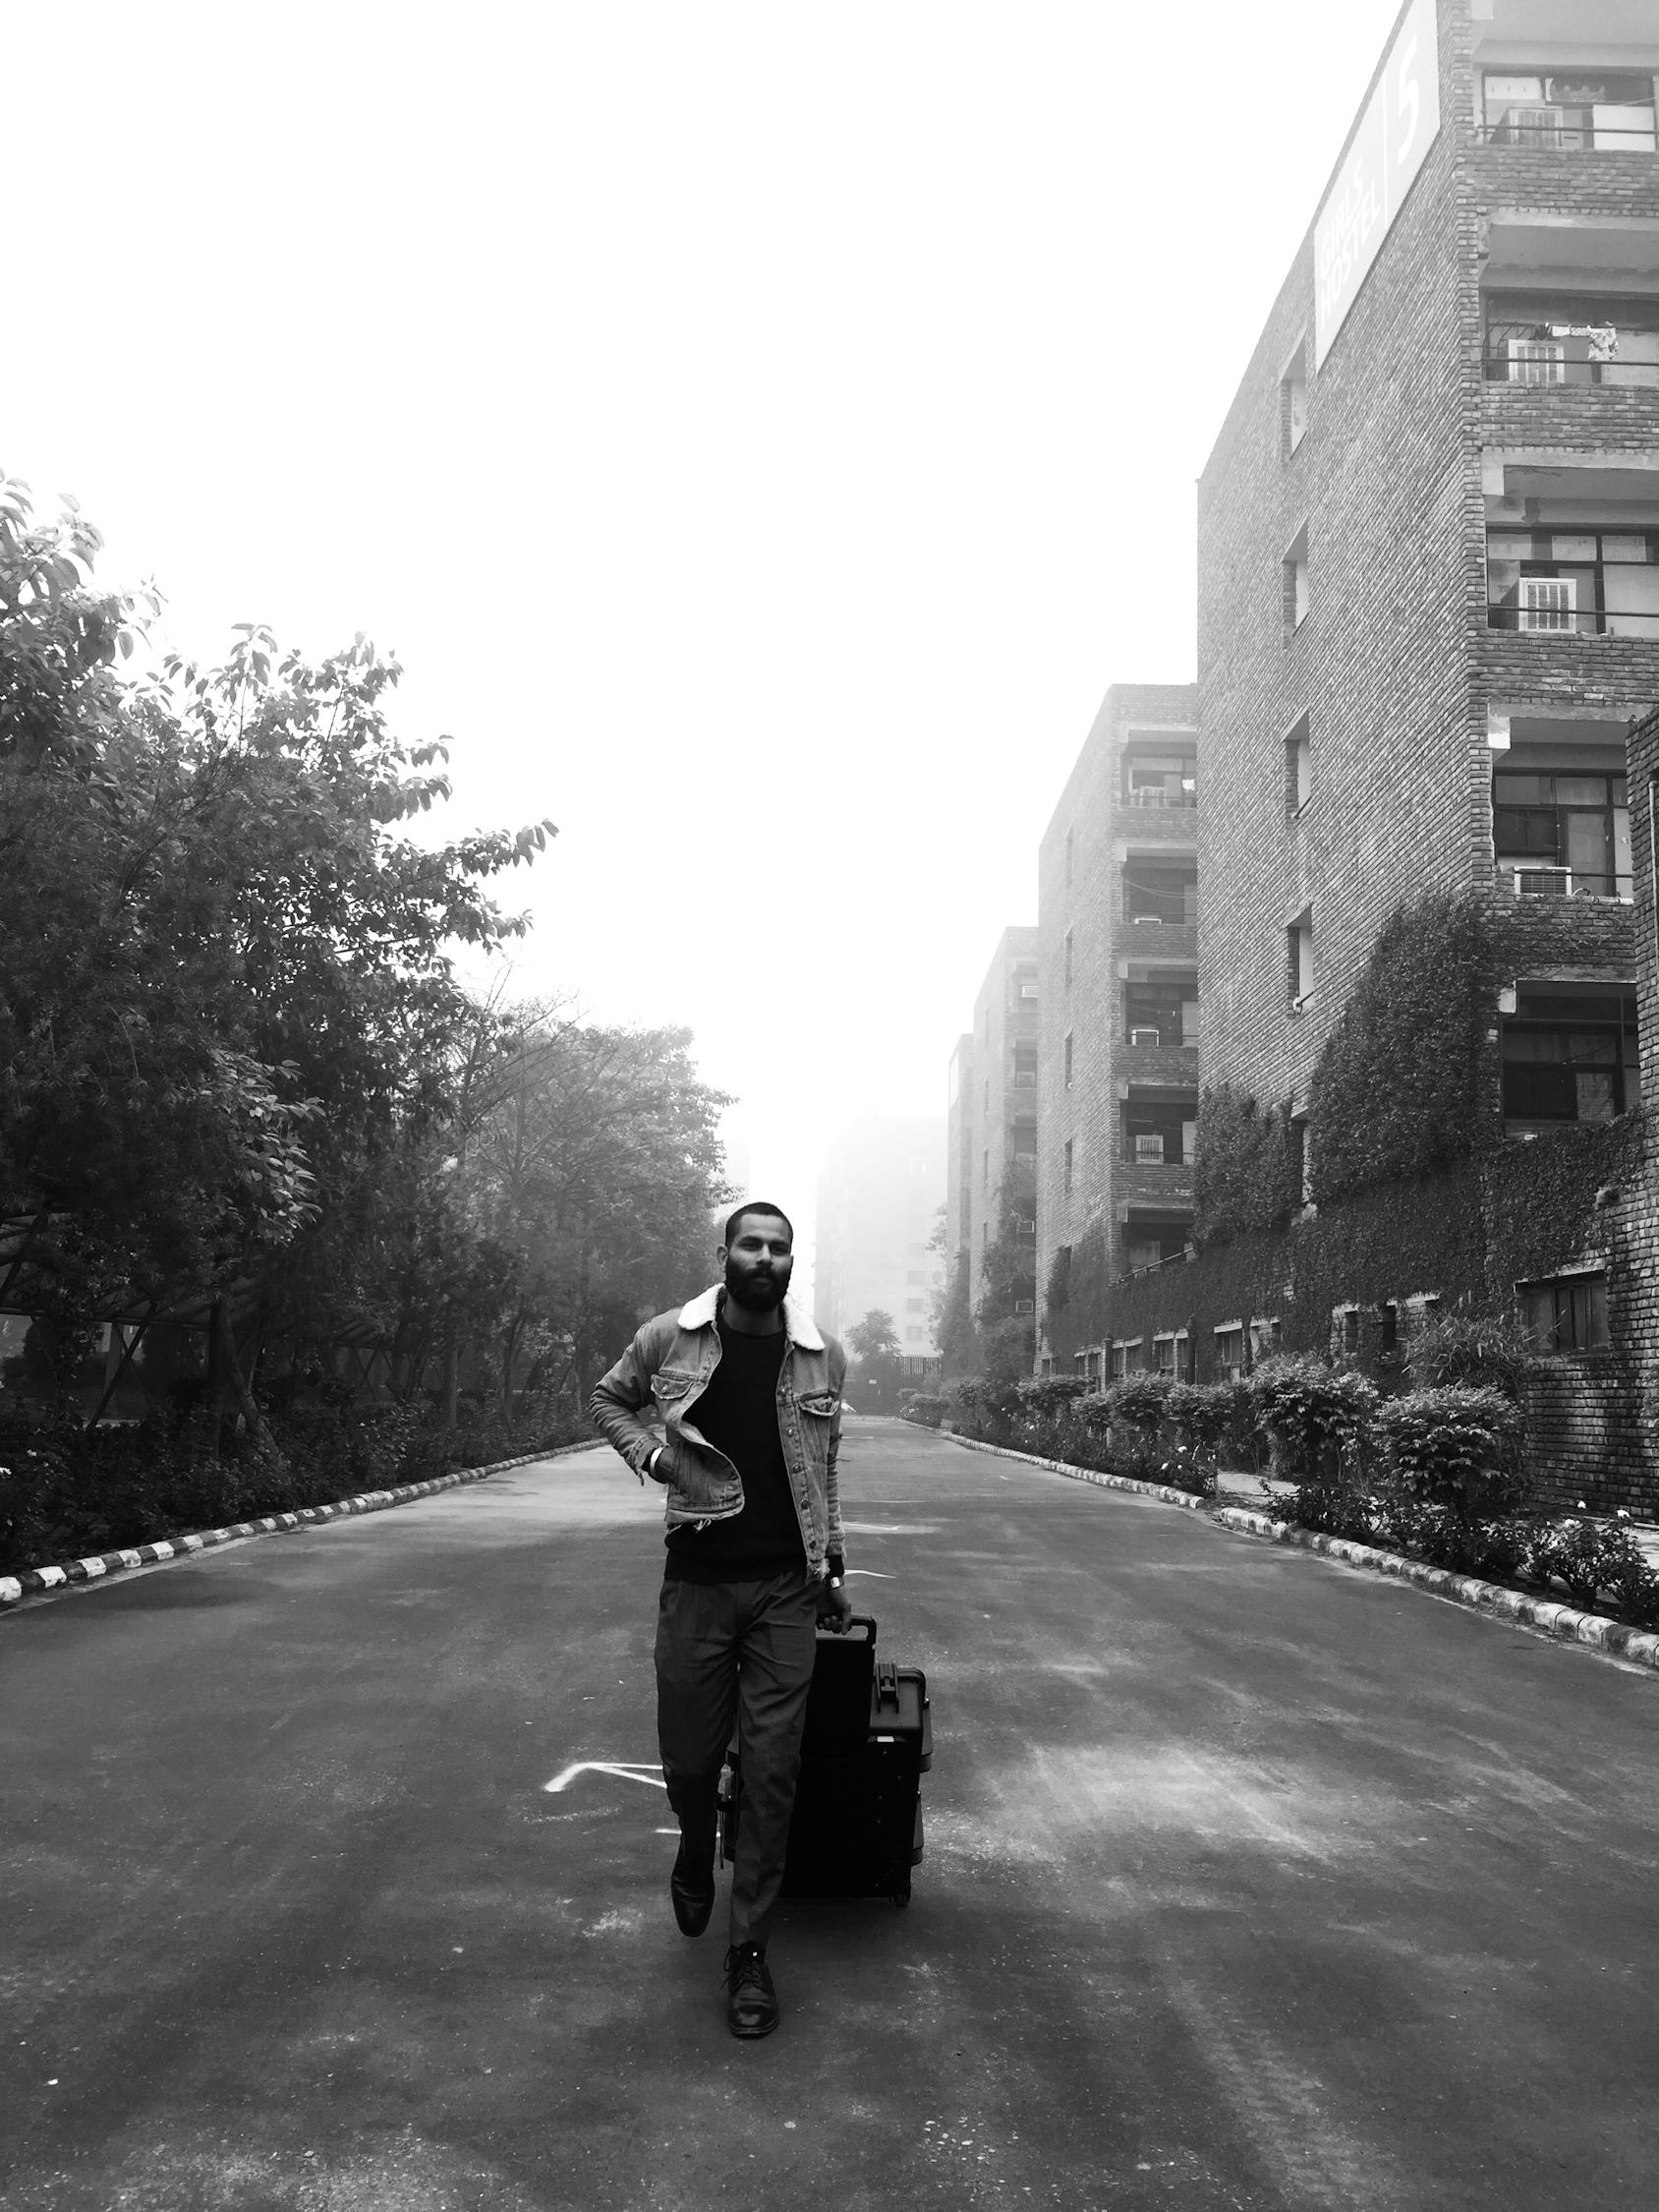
(757, 1263)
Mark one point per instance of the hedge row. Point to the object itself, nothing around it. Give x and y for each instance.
(66, 1493)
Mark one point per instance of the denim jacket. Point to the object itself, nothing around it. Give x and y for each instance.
(667, 1367)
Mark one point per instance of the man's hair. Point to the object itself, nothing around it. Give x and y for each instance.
(756, 1205)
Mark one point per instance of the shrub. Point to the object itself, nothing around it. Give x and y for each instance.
(1458, 1449)
(1457, 1351)
(1140, 1401)
(1318, 1419)
(1332, 1506)
(1213, 1421)
(1496, 1550)
(1590, 1556)
(926, 1408)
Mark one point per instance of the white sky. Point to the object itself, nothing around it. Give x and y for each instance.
(764, 432)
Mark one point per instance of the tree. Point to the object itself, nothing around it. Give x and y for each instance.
(873, 1343)
(227, 999)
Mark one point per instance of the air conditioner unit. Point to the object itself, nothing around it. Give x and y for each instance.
(1026, 1228)
(1146, 1036)
(1543, 883)
(1537, 360)
(1146, 918)
(1549, 605)
(1150, 1149)
(1025, 1305)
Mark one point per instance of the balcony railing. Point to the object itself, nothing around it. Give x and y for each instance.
(1570, 352)
(1529, 879)
(1162, 801)
(1556, 614)
(1556, 127)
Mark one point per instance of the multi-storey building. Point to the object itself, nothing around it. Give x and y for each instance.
(993, 1122)
(1428, 612)
(879, 1194)
(1117, 971)
(1429, 555)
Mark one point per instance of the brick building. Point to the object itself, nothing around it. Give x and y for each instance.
(878, 1203)
(992, 1122)
(1428, 616)
(1117, 971)
(1428, 598)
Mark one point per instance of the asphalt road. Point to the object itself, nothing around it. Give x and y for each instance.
(1250, 1881)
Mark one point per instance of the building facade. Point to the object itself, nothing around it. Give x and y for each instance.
(879, 1195)
(1428, 597)
(1117, 975)
(993, 1076)
(1428, 618)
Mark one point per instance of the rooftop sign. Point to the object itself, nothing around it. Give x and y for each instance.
(1397, 129)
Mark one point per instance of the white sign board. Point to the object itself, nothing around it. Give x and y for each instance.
(1395, 133)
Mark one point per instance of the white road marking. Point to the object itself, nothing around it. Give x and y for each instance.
(623, 1770)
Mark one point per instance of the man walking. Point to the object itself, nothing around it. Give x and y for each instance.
(749, 1397)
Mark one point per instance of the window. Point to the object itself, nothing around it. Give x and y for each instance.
(1230, 1351)
(1025, 983)
(1299, 938)
(1151, 1240)
(1165, 779)
(1067, 1177)
(1025, 1067)
(1578, 580)
(916, 1275)
(1574, 109)
(1159, 1132)
(985, 1173)
(1068, 859)
(1344, 1330)
(1296, 582)
(1570, 1055)
(1162, 1013)
(1067, 1049)
(1572, 338)
(1561, 835)
(1119, 1361)
(1163, 1355)
(988, 1095)
(1266, 1336)
(1299, 768)
(1567, 1315)
(1292, 404)
(1388, 1317)
(1069, 959)
(915, 1336)
(915, 1304)
(1159, 894)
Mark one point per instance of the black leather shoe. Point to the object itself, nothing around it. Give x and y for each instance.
(751, 2000)
(693, 1901)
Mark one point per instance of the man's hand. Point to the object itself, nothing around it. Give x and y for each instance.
(834, 1607)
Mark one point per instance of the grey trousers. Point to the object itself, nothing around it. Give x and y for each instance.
(743, 1647)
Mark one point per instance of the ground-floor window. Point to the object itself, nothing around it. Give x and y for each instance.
(1568, 1314)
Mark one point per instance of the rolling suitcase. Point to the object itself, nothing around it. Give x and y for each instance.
(856, 1830)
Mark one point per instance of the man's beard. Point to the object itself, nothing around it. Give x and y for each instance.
(756, 1295)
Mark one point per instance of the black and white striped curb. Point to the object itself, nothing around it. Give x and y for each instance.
(1638, 1645)
(1165, 1491)
(36, 1582)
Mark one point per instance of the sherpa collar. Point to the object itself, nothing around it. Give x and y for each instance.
(798, 1325)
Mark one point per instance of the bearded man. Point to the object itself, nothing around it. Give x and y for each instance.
(748, 1393)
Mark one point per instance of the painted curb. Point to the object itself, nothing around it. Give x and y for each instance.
(1162, 1490)
(37, 1582)
(1639, 1647)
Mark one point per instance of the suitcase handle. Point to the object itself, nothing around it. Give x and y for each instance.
(854, 1620)
(886, 1684)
